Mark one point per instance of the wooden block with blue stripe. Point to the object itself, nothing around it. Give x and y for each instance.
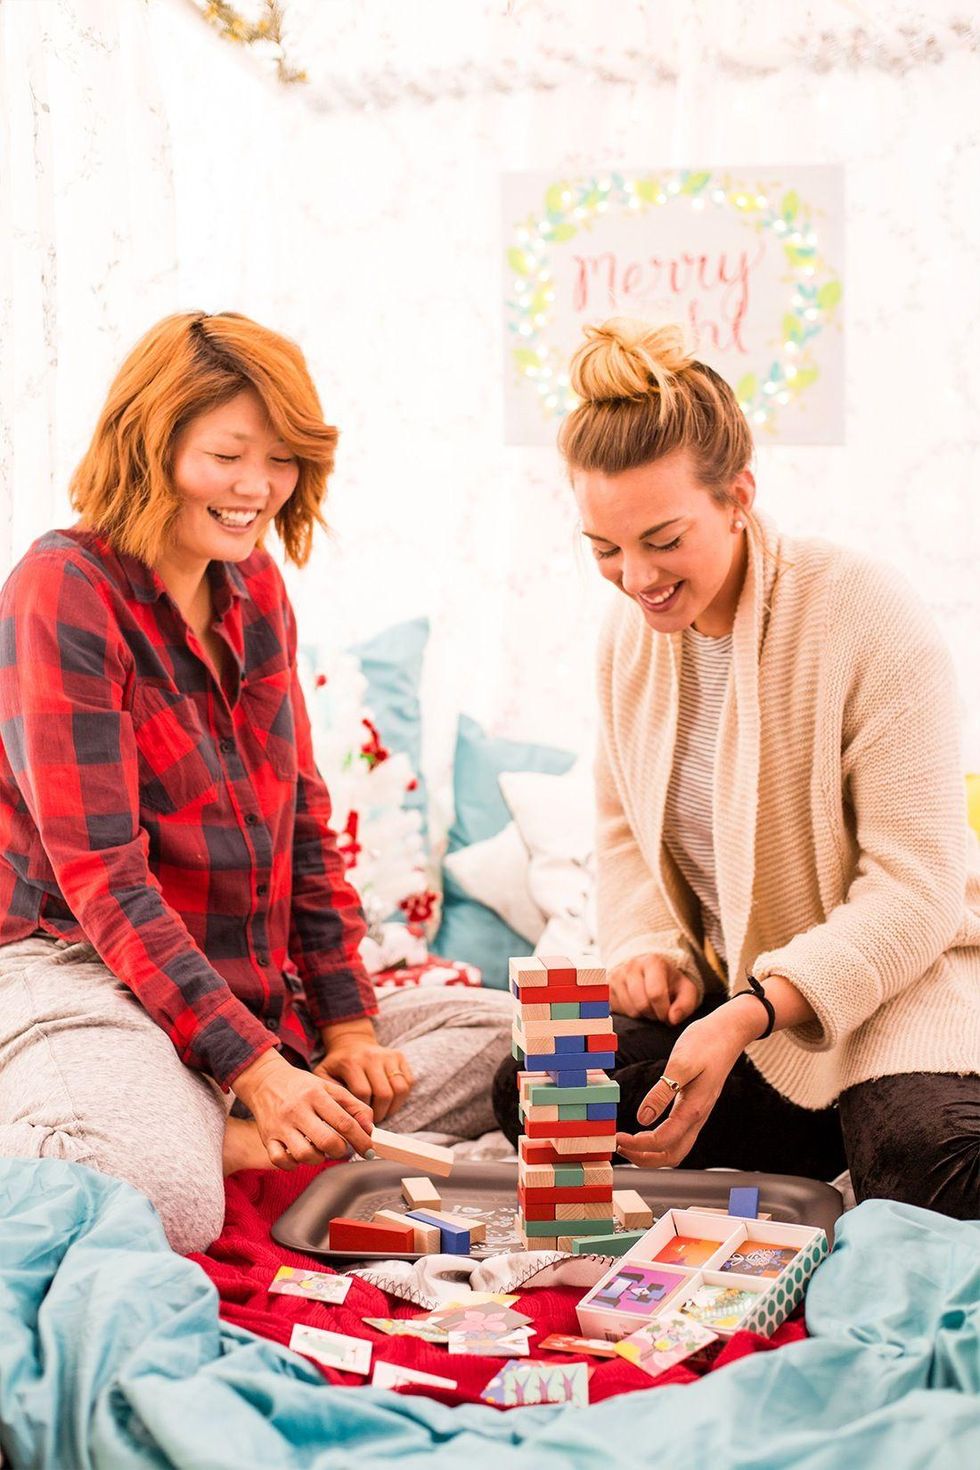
(454, 1240)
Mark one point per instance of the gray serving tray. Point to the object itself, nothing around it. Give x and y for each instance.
(488, 1192)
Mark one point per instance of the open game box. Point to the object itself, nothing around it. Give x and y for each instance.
(724, 1272)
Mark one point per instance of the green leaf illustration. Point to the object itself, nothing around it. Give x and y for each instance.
(564, 231)
(519, 261)
(694, 183)
(790, 204)
(828, 296)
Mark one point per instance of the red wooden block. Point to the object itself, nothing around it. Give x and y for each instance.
(562, 994)
(586, 1194)
(365, 1235)
(560, 969)
(570, 1130)
(538, 1212)
(537, 1152)
(602, 1041)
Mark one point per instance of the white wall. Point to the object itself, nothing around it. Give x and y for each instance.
(181, 176)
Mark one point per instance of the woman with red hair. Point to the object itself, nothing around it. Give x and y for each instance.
(176, 930)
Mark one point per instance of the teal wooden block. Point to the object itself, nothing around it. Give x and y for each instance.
(544, 1093)
(516, 1052)
(567, 1113)
(564, 1011)
(569, 1176)
(606, 1245)
(601, 1228)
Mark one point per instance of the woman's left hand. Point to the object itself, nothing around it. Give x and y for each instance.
(377, 1075)
(704, 1054)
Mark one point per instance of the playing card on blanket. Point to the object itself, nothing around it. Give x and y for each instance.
(490, 1346)
(314, 1284)
(333, 1349)
(539, 1383)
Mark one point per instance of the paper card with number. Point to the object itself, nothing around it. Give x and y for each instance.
(394, 1375)
(333, 1349)
(666, 1340)
(539, 1383)
(316, 1285)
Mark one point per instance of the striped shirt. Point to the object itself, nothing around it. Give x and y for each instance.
(689, 812)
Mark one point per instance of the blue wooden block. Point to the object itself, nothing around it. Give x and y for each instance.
(599, 1112)
(604, 1060)
(543, 1062)
(744, 1202)
(452, 1242)
(594, 1010)
(569, 1043)
(566, 1077)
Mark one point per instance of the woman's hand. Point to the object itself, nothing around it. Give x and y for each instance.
(702, 1057)
(302, 1118)
(652, 987)
(373, 1073)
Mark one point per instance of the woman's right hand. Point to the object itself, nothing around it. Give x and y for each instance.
(302, 1118)
(651, 987)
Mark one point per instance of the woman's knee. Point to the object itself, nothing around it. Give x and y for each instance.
(915, 1139)
(188, 1196)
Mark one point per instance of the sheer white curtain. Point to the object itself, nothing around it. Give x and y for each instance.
(149, 166)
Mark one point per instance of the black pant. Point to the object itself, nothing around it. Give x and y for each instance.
(913, 1137)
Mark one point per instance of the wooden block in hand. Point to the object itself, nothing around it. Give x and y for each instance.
(420, 1194)
(365, 1235)
(427, 1238)
(632, 1212)
(402, 1148)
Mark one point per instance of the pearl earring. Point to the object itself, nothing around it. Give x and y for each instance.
(739, 525)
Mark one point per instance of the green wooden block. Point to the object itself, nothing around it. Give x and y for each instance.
(516, 1052)
(569, 1176)
(565, 1011)
(601, 1228)
(606, 1245)
(545, 1093)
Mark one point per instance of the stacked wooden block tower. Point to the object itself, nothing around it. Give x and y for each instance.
(564, 1039)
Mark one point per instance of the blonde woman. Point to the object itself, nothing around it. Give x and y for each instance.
(789, 894)
(176, 931)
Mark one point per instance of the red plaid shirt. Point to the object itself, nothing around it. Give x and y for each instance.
(182, 830)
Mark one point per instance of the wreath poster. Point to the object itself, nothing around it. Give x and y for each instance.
(748, 260)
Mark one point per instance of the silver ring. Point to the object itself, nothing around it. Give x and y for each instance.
(675, 1087)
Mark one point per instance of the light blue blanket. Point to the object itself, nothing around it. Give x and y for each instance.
(112, 1355)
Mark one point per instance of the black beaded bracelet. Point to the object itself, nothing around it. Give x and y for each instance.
(755, 989)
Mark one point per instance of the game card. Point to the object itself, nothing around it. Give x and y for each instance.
(561, 1342)
(538, 1383)
(333, 1349)
(641, 1290)
(394, 1375)
(719, 1306)
(687, 1250)
(317, 1285)
(658, 1345)
(759, 1258)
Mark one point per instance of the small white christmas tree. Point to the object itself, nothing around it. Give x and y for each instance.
(380, 839)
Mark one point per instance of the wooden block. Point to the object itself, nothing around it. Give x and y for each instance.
(420, 1193)
(566, 1242)
(744, 1201)
(561, 970)
(586, 1144)
(571, 1129)
(532, 1013)
(539, 1176)
(597, 1174)
(614, 1244)
(536, 1211)
(540, 1243)
(632, 1212)
(541, 1115)
(427, 1238)
(559, 994)
(565, 1010)
(602, 1042)
(559, 1196)
(577, 1226)
(580, 1211)
(594, 1091)
(591, 975)
(453, 1241)
(528, 973)
(402, 1148)
(476, 1228)
(364, 1235)
(547, 1031)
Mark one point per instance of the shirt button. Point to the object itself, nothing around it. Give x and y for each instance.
(251, 818)
(262, 959)
(272, 1022)
(226, 746)
(262, 889)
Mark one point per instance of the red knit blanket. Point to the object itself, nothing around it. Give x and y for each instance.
(243, 1261)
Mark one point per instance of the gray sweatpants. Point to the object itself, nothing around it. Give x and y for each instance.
(87, 1075)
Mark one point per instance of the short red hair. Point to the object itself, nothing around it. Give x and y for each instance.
(184, 366)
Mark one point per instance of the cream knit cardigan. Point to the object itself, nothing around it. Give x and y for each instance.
(844, 859)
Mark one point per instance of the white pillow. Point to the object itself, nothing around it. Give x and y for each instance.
(556, 819)
(495, 873)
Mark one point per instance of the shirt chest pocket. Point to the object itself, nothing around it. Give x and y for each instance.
(268, 709)
(177, 764)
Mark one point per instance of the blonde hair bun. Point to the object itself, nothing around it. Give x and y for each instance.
(628, 359)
